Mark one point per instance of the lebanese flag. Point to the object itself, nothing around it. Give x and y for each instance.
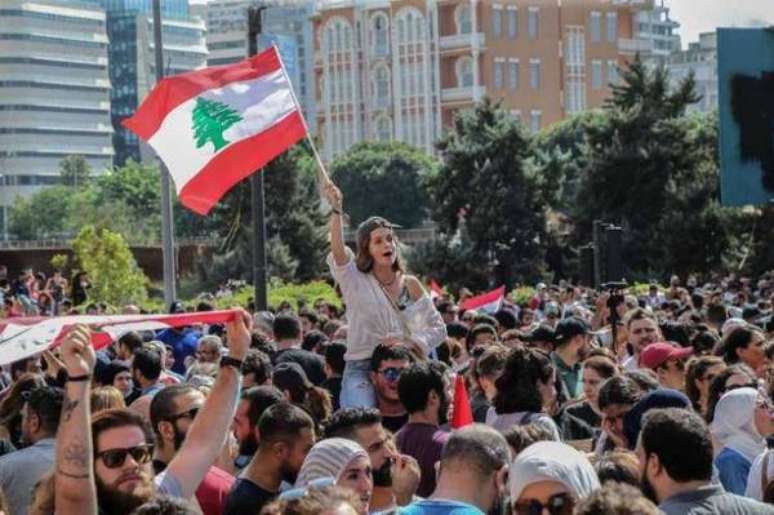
(216, 126)
(462, 414)
(435, 289)
(21, 338)
(488, 302)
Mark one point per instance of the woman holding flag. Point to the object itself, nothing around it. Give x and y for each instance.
(384, 304)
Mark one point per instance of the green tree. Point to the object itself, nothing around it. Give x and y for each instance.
(210, 120)
(74, 171)
(486, 182)
(385, 179)
(115, 276)
(40, 216)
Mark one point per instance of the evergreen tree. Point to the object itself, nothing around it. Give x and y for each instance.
(210, 120)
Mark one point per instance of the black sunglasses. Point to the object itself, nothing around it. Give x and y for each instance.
(751, 384)
(114, 458)
(559, 504)
(191, 413)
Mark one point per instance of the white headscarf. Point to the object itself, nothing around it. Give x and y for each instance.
(734, 423)
(552, 461)
(328, 458)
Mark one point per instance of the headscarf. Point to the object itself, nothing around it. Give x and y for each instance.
(661, 398)
(328, 458)
(734, 423)
(553, 461)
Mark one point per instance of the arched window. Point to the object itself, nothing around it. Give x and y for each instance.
(463, 18)
(464, 70)
(383, 129)
(379, 34)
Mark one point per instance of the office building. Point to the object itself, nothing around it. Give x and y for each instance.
(655, 34)
(701, 58)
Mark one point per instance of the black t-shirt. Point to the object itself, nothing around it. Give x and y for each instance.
(247, 498)
(583, 411)
(394, 423)
(333, 385)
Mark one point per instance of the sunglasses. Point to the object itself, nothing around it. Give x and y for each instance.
(114, 458)
(559, 504)
(391, 373)
(191, 413)
(295, 494)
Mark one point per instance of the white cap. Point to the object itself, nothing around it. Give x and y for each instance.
(552, 461)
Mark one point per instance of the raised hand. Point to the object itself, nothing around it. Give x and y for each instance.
(77, 353)
(238, 332)
(333, 195)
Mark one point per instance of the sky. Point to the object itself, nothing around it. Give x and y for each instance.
(695, 16)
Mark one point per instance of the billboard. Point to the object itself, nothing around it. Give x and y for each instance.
(746, 100)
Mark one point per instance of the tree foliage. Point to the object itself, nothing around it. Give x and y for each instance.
(75, 171)
(384, 179)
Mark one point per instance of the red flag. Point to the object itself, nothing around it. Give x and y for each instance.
(435, 289)
(463, 415)
(21, 338)
(489, 302)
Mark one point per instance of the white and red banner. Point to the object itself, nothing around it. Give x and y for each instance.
(216, 126)
(489, 302)
(24, 337)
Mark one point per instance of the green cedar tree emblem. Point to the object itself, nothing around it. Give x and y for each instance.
(210, 120)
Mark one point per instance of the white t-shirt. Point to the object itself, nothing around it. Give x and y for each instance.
(371, 317)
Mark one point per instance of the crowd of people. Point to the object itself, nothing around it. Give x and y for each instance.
(582, 401)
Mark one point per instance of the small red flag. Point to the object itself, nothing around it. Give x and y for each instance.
(462, 416)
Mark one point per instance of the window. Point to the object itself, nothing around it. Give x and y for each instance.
(383, 129)
(612, 71)
(499, 71)
(612, 27)
(464, 20)
(379, 34)
(513, 74)
(465, 72)
(534, 73)
(382, 86)
(533, 22)
(535, 121)
(596, 74)
(516, 113)
(513, 22)
(497, 21)
(596, 27)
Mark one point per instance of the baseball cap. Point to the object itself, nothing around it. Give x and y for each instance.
(541, 333)
(569, 328)
(655, 354)
(290, 376)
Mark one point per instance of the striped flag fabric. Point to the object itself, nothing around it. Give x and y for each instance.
(489, 302)
(216, 126)
(21, 338)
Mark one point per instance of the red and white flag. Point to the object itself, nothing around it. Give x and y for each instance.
(216, 126)
(489, 302)
(435, 289)
(24, 337)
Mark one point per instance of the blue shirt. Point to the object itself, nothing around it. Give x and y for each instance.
(440, 507)
(183, 344)
(733, 469)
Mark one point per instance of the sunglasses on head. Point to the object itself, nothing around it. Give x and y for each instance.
(559, 504)
(114, 458)
(391, 373)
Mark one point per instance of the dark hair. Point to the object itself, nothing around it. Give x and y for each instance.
(310, 315)
(470, 339)
(20, 366)
(506, 318)
(286, 327)
(415, 384)
(718, 386)
(739, 338)
(695, 370)
(162, 405)
(384, 353)
(448, 350)
(346, 421)
(167, 505)
(479, 448)
(260, 342)
(334, 356)
(717, 314)
(314, 500)
(313, 340)
(118, 417)
(457, 330)
(131, 340)
(148, 362)
(676, 332)
(363, 259)
(492, 362)
(602, 365)
(521, 437)
(618, 390)
(283, 421)
(618, 466)
(645, 379)
(681, 441)
(616, 499)
(204, 305)
(46, 402)
(704, 341)
(258, 363)
(260, 398)
(517, 386)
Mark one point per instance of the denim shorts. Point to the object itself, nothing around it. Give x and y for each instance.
(357, 390)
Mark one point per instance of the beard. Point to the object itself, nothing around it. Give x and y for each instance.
(179, 438)
(647, 489)
(112, 500)
(249, 445)
(383, 475)
(288, 475)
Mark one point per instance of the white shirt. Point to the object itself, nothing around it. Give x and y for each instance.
(371, 317)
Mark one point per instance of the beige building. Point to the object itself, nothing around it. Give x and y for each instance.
(400, 69)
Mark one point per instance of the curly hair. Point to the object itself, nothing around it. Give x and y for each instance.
(517, 386)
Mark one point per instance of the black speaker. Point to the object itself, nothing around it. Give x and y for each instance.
(587, 266)
(614, 254)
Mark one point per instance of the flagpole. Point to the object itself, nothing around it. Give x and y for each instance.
(167, 228)
(256, 185)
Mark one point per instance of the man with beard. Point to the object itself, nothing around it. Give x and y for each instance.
(572, 345)
(424, 391)
(106, 464)
(675, 455)
(286, 435)
(254, 401)
(172, 412)
(642, 330)
(396, 477)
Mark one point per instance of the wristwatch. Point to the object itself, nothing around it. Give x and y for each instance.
(228, 361)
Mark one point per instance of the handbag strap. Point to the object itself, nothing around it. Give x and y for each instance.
(765, 471)
(403, 323)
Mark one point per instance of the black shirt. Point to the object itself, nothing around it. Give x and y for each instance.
(583, 411)
(394, 423)
(247, 498)
(333, 385)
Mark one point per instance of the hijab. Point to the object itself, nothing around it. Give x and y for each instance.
(328, 458)
(734, 423)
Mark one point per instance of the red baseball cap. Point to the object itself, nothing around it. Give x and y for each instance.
(655, 354)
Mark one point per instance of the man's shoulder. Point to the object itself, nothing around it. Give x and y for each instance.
(32, 454)
(439, 507)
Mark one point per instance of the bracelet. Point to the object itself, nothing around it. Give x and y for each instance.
(228, 361)
(75, 379)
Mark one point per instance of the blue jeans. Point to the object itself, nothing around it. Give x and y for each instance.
(357, 390)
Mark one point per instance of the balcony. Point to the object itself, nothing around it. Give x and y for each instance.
(462, 41)
(633, 46)
(464, 94)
